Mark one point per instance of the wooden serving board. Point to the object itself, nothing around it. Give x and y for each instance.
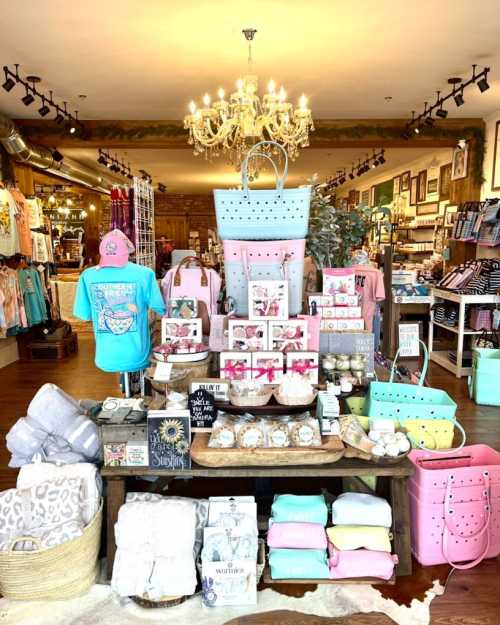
(330, 451)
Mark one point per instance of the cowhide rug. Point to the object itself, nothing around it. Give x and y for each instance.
(331, 603)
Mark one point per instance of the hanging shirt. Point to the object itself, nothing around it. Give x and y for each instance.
(117, 300)
(22, 222)
(9, 243)
(35, 212)
(34, 300)
(370, 287)
(13, 306)
(40, 253)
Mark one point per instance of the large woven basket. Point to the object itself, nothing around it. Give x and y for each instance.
(61, 572)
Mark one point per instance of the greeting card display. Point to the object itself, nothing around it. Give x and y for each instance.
(268, 299)
(247, 335)
(286, 336)
(304, 363)
(169, 439)
(267, 367)
(183, 307)
(174, 330)
(235, 366)
(339, 280)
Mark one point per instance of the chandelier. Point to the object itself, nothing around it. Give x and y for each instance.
(232, 126)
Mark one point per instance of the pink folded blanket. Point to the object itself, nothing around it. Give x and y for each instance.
(297, 536)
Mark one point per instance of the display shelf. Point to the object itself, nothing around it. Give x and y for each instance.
(272, 408)
(441, 357)
(372, 581)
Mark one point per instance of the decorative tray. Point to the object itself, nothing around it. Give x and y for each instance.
(331, 450)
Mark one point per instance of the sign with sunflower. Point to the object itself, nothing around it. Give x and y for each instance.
(169, 439)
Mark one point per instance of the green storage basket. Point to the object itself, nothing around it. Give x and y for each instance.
(484, 382)
(393, 400)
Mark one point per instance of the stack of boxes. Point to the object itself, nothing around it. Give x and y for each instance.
(338, 305)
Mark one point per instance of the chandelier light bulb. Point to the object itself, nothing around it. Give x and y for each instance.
(192, 107)
(52, 199)
(239, 84)
(271, 87)
(221, 93)
(92, 207)
(282, 95)
(60, 210)
(206, 100)
(303, 101)
(83, 214)
(69, 202)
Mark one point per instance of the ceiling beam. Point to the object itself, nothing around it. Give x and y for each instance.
(170, 134)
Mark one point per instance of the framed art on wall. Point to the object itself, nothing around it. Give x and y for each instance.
(444, 181)
(432, 185)
(365, 197)
(413, 190)
(397, 184)
(429, 208)
(459, 162)
(405, 180)
(372, 197)
(422, 186)
(495, 176)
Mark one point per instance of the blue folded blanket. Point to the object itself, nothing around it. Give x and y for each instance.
(299, 509)
(298, 564)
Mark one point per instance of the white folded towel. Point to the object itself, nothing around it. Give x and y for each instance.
(361, 509)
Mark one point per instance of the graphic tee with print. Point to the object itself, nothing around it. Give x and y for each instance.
(370, 287)
(117, 300)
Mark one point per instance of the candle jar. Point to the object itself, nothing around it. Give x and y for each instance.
(328, 363)
(342, 362)
(357, 362)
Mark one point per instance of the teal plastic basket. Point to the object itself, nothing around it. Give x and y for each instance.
(393, 400)
(483, 383)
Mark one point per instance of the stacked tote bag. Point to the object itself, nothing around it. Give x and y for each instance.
(263, 232)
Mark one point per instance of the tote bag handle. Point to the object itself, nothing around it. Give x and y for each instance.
(456, 424)
(283, 260)
(449, 534)
(254, 151)
(424, 368)
(186, 261)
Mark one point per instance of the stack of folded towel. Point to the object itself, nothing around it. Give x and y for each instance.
(359, 543)
(297, 537)
(155, 555)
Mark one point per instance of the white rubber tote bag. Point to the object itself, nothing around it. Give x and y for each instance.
(263, 214)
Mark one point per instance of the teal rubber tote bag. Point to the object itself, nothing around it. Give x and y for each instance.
(263, 214)
(393, 400)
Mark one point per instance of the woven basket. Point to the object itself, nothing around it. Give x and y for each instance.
(260, 400)
(61, 572)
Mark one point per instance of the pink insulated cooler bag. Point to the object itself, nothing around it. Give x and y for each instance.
(360, 563)
(455, 506)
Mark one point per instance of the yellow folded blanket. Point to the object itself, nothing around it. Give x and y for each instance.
(349, 537)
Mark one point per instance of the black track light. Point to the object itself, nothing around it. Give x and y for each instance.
(459, 97)
(44, 110)
(9, 83)
(28, 98)
(59, 118)
(57, 156)
(429, 121)
(342, 180)
(483, 84)
(381, 159)
(351, 175)
(441, 112)
(161, 187)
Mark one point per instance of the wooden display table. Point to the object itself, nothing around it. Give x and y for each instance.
(346, 467)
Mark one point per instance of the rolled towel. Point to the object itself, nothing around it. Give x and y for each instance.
(350, 537)
(24, 439)
(361, 509)
(361, 563)
(83, 436)
(299, 509)
(298, 564)
(296, 536)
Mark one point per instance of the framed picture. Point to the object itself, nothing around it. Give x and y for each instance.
(413, 190)
(267, 367)
(428, 208)
(495, 176)
(183, 307)
(432, 185)
(397, 185)
(247, 335)
(268, 299)
(175, 330)
(405, 180)
(365, 197)
(372, 197)
(459, 162)
(422, 186)
(236, 365)
(445, 181)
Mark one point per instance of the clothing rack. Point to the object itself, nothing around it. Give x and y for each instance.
(144, 215)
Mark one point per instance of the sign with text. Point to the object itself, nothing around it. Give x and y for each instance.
(169, 439)
(409, 340)
(201, 406)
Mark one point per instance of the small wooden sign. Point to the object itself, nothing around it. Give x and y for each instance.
(169, 439)
(216, 386)
(201, 406)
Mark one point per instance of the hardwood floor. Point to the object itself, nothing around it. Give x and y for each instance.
(472, 597)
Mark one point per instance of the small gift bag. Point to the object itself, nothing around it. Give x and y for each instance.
(267, 367)
(305, 364)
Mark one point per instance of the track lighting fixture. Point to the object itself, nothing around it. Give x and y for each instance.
(161, 187)
(381, 158)
(44, 110)
(113, 164)
(425, 119)
(10, 83)
(57, 156)
(28, 98)
(361, 168)
(101, 159)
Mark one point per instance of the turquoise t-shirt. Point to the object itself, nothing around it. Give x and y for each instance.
(117, 300)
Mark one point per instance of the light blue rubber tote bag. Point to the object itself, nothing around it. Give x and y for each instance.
(263, 214)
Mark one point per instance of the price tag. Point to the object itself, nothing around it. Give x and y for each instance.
(162, 372)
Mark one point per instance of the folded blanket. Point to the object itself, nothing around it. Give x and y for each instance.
(299, 509)
(297, 536)
(46, 539)
(83, 436)
(138, 573)
(361, 509)
(24, 439)
(34, 474)
(298, 564)
(166, 528)
(53, 409)
(350, 537)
